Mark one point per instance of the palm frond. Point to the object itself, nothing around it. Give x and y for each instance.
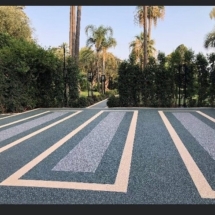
(210, 40)
(90, 29)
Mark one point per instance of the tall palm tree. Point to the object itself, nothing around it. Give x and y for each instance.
(107, 43)
(70, 31)
(145, 35)
(78, 26)
(153, 14)
(210, 40)
(212, 13)
(73, 31)
(97, 38)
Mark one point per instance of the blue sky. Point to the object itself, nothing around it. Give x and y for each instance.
(186, 25)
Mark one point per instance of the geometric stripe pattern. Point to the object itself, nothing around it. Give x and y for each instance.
(88, 153)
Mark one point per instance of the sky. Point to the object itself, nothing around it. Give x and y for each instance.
(186, 25)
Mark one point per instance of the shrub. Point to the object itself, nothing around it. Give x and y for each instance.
(95, 98)
(109, 93)
(90, 100)
(82, 102)
(113, 101)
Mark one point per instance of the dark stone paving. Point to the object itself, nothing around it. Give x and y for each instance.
(158, 174)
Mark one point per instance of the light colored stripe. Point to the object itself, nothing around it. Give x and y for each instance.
(205, 115)
(19, 113)
(35, 133)
(120, 184)
(203, 133)
(96, 103)
(88, 153)
(51, 149)
(198, 178)
(2, 126)
(10, 132)
(122, 177)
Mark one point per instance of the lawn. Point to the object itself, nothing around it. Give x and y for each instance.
(85, 93)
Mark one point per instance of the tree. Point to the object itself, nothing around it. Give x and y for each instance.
(137, 48)
(210, 40)
(203, 77)
(154, 13)
(212, 13)
(107, 43)
(210, 37)
(15, 22)
(59, 51)
(145, 35)
(211, 60)
(98, 37)
(72, 30)
(77, 39)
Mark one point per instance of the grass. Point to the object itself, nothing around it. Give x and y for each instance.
(85, 93)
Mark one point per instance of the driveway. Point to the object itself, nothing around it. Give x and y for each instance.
(101, 155)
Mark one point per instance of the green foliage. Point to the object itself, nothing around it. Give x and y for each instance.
(202, 78)
(211, 97)
(80, 102)
(129, 84)
(14, 21)
(73, 73)
(32, 76)
(113, 101)
(109, 93)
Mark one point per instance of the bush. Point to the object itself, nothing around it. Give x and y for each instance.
(109, 93)
(192, 102)
(113, 101)
(95, 98)
(90, 100)
(80, 102)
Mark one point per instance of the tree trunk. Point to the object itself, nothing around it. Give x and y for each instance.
(70, 31)
(73, 29)
(150, 27)
(78, 26)
(97, 65)
(150, 10)
(103, 71)
(145, 35)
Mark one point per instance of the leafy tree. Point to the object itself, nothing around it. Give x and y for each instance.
(14, 21)
(203, 76)
(137, 48)
(211, 60)
(101, 38)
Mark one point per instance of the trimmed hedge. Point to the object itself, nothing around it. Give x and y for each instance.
(113, 101)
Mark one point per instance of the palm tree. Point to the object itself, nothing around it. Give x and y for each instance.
(212, 13)
(210, 40)
(107, 43)
(97, 37)
(145, 35)
(153, 14)
(137, 50)
(72, 30)
(78, 26)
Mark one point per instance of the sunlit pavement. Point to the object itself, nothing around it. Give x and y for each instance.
(101, 155)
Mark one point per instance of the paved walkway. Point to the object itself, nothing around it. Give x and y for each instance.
(101, 155)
